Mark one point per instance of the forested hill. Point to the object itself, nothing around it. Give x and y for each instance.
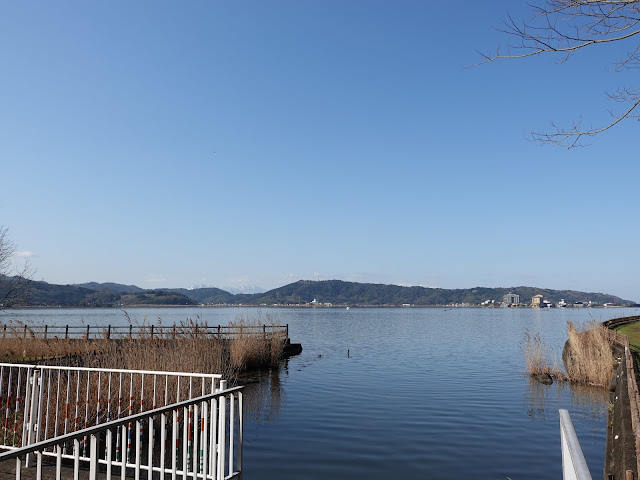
(372, 294)
(303, 292)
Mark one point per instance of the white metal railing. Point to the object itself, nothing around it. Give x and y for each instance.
(574, 466)
(42, 402)
(208, 446)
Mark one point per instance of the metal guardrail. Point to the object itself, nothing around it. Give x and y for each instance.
(208, 446)
(574, 466)
(106, 332)
(42, 402)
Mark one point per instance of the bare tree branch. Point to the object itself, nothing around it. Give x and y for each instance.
(14, 280)
(566, 27)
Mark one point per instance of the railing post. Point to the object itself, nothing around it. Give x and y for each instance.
(109, 332)
(25, 331)
(33, 409)
(87, 332)
(151, 332)
(240, 431)
(573, 462)
(222, 430)
(130, 331)
(93, 458)
(66, 332)
(46, 327)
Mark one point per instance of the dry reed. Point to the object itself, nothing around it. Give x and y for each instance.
(189, 346)
(539, 358)
(588, 357)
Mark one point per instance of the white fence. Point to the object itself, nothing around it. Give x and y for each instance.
(574, 466)
(208, 446)
(42, 402)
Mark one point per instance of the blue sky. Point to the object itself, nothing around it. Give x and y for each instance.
(231, 143)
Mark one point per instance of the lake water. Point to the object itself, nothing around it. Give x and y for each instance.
(422, 393)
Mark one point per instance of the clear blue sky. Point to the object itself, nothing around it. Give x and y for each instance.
(169, 144)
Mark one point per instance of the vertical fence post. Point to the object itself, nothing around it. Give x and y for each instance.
(240, 430)
(66, 332)
(109, 332)
(33, 409)
(151, 332)
(287, 330)
(130, 331)
(46, 327)
(222, 430)
(93, 458)
(87, 332)
(25, 331)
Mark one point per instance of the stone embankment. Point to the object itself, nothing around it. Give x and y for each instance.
(623, 426)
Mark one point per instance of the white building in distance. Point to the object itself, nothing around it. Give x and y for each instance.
(511, 299)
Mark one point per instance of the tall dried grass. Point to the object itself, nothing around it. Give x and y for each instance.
(539, 358)
(185, 347)
(588, 358)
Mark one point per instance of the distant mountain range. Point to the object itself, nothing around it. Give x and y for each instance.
(303, 292)
(234, 290)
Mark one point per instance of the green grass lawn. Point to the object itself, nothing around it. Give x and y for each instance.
(632, 331)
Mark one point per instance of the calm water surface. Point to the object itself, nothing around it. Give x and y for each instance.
(423, 393)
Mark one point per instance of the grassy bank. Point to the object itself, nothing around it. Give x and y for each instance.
(632, 332)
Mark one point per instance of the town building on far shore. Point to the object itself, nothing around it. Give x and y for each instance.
(536, 301)
(511, 299)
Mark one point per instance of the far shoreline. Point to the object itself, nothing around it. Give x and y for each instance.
(306, 306)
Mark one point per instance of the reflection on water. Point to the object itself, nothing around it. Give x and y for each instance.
(542, 400)
(263, 393)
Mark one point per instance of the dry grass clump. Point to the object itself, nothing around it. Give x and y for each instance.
(248, 350)
(19, 343)
(190, 346)
(589, 358)
(539, 358)
(179, 348)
